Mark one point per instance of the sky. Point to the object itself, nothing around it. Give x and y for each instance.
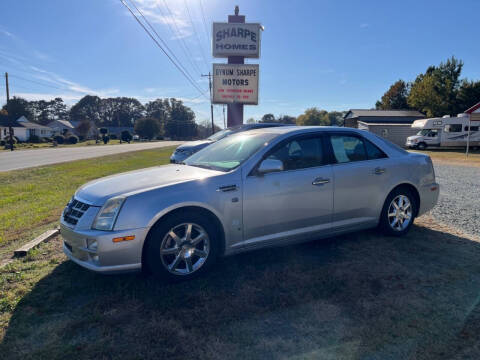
(330, 54)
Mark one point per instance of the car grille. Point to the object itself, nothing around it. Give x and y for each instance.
(74, 211)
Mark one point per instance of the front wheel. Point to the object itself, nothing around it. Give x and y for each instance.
(422, 146)
(182, 246)
(398, 212)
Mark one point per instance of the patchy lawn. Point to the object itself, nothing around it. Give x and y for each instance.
(32, 199)
(30, 146)
(454, 156)
(355, 296)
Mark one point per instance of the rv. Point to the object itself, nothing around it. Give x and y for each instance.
(444, 132)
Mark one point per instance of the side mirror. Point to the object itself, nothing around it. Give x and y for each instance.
(270, 165)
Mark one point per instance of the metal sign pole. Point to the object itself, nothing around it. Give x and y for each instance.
(468, 135)
(235, 110)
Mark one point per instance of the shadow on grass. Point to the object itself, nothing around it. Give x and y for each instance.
(355, 296)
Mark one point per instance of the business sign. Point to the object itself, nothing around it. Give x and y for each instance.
(232, 39)
(235, 83)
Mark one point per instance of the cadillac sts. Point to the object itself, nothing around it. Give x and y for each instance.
(254, 189)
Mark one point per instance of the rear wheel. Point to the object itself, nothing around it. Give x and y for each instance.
(398, 212)
(182, 246)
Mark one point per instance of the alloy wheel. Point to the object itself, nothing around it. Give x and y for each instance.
(400, 213)
(184, 249)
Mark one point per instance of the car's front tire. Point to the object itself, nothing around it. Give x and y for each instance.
(182, 246)
(398, 212)
(422, 146)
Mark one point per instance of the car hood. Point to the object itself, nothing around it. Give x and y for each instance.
(97, 192)
(199, 144)
(414, 137)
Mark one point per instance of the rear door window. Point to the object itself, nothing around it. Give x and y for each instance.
(348, 148)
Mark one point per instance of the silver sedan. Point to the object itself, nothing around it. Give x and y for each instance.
(255, 189)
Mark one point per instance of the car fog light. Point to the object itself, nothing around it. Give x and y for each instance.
(95, 258)
(92, 244)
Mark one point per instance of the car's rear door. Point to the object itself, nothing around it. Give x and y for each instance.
(292, 203)
(361, 173)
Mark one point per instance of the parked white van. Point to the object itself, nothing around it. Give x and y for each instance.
(444, 132)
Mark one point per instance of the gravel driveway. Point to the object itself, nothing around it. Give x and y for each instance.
(459, 202)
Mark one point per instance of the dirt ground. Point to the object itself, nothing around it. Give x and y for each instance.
(359, 296)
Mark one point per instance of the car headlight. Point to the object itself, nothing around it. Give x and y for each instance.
(106, 217)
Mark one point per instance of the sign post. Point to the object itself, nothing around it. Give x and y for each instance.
(237, 83)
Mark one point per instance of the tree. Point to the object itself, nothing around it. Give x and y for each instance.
(147, 128)
(251, 120)
(126, 136)
(84, 128)
(468, 94)
(267, 118)
(286, 119)
(181, 121)
(395, 97)
(313, 116)
(435, 92)
(88, 107)
(17, 107)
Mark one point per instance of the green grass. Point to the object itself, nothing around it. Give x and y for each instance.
(35, 197)
(30, 146)
(454, 156)
(359, 296)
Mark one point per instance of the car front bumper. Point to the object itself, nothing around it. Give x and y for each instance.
(109, 257)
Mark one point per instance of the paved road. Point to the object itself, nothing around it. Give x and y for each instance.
(22, 159)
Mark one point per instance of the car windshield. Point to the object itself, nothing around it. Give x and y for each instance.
(229, 153)
(220, 135)
(423, 132)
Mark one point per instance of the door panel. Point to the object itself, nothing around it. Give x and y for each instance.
(287, 204)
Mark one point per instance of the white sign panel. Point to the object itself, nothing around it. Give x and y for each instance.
(232, 39)
(235, 83)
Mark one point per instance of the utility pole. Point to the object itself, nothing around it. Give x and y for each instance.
(211, 104)
(10, 128)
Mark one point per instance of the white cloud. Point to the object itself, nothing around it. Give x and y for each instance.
(6, 33)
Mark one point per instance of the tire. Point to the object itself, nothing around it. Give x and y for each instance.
(406, 213)
(173, 255)
(422, 146)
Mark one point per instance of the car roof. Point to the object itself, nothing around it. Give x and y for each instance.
(302, 129)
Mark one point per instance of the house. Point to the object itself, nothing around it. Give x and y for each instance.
(394, 125)
(23, 129)
(61, 127)
(474, 112)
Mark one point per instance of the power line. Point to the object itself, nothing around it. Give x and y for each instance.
(179, 36)
(158, 36)
(204, 22)
(196, 35)
(37, 82)
(160, 46)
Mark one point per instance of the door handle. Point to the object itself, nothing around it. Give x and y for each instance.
(320, 181)
(379, 170)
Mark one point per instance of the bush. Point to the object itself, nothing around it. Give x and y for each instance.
(113, 137)
(60, 139)
(2, 142)
(159, 137)
(105, 139)
(35, 139)
(126, 136)
(103, 131)
(72, 139)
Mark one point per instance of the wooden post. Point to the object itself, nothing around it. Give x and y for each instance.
(235, 111)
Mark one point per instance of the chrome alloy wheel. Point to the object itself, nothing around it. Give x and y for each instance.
(184, 249)
(400, 213)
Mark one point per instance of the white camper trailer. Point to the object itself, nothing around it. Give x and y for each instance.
(444, 132)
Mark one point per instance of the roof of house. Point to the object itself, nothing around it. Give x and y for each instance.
(384, 113)
(65, 123)
(473, 108)
(21, 122)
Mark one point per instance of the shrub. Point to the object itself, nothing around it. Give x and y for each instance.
(159, 137)
(35, 139)
(113, 137)
(60, 139)
(72, 139)
(103, 131)
(126, 136)
(105, 139)
(2, 142)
